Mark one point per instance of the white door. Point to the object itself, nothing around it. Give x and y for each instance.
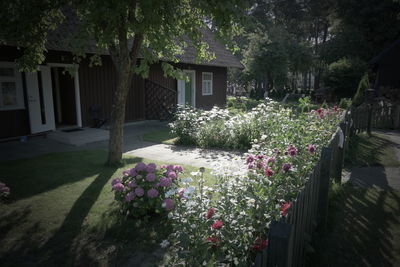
(181, 92)
(40, 100)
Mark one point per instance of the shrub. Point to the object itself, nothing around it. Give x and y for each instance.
(345, 103)
(363, 85)
(241, 104)
(145, 190)
(343, 76)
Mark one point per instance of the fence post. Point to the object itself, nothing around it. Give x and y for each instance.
(279, 245)
(326, 156)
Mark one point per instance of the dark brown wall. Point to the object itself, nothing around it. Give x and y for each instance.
(97, 85)
(206, 102)
(219, 85)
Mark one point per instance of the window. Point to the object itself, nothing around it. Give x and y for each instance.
(207, 86)
(11, 94)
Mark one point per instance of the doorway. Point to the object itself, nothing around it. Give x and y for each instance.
(187, 89)
(64, 98)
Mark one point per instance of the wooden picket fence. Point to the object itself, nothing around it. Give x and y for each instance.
(288, 238)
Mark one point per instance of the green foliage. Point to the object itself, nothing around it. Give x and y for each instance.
(345, 103)
(241, 104)
(363, 85)
(305, 104)
(343, 76)
(324, 105)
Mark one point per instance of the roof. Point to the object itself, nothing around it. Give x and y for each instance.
(57, 40)
(385, 53)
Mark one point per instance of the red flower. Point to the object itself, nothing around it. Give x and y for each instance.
(285, 208)
(210, 213)
(269, 172)
(217, 224)
(260, 244)
(213, 239)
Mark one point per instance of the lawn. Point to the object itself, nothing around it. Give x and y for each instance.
(371, 151)
(163, 136)
(62, 212)
(363, 229)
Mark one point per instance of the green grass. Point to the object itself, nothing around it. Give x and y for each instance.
(62, 212)
(163, 136)
(371, 151)
(363, 228)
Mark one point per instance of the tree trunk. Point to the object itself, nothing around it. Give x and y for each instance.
(124, 61)
(118, 115)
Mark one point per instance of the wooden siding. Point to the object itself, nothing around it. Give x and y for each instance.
(218, 97)
(97, 85)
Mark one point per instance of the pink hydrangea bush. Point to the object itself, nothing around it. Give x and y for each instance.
(4, 191)
(146, 189)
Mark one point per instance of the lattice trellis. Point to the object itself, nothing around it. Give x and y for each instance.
(160, 101)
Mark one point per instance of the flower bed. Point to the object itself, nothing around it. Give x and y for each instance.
(227, 223)
(222, 129)
(243, 204)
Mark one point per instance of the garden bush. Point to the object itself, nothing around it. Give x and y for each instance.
(145, 190)
(241, 104)
(4, 191)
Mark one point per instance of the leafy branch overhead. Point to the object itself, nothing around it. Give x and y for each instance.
(157, 29)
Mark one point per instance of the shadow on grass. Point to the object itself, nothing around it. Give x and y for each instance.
(29, 177)
(59, 249)
(370, 151)
(362, 229)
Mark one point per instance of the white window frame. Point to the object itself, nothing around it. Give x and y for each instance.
(18, 86)
(210, 81)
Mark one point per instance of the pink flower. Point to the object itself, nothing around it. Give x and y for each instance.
(116, 181)
(217, 225)
(170, 168)
(260, 244)
(311, 148)
(271, 160)
(133, 172)
(163, 166)
(291, 150)
(139, 192)
(130, 196)
(152, 193)
(260, 156)
(118, 187)
(165, 182)
(285, 208)
(286, 167)
(132, 184)
(269, 172)
(250, 159)
(171, 175)
(250, 166)
(151, 177)
(213, 240)
(260, 165)
(168, 204)
(210, 213)
(151, 167)
(178, 168)
(126, 172)
(181, 192)
(140, 167)
(335, 108)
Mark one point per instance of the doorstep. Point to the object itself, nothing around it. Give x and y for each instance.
(79, 137)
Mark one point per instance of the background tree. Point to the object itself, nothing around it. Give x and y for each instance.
(153, 29)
